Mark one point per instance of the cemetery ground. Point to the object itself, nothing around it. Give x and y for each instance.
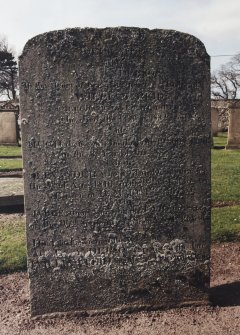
(10, 158)
(9, 150)
(10, 165)
(221, 317)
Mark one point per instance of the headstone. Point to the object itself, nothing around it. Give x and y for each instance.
(116, 148)
(214, 120)
(8, 133)
(233, 141)
(223, 113)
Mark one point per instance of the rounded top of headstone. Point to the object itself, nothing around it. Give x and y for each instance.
(57, 41)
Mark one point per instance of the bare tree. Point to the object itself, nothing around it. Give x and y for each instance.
(226, 81)
(8, 71)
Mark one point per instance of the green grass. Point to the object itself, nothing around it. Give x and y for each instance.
(10, 164)
(13, 256)
(220, 140)
(226, 224)
(225, 171)
(225, 175)
(6, 150)
(225, 188)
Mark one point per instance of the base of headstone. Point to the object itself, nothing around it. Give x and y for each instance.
(232, 146)
(9, 144)
(11, 201)
(11, 193)
(122, 310)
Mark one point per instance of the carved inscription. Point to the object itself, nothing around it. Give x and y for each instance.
(116, 138)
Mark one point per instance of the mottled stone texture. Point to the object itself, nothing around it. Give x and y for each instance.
(116, 138)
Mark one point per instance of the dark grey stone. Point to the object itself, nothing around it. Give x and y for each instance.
(116, 149)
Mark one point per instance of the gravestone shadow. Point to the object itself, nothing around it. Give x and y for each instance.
(226, 295)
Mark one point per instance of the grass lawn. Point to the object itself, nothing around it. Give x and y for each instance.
(6, 150)
(225, 175)
(226, 224)
(10, 164)
(225, 172)
(225, 187)
(12, 244)
(220, 140)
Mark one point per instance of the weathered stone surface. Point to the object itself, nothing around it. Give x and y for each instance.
(8, 133)
(116, 139)
(233, 141)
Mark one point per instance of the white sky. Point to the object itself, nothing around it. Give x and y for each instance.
(215, 22)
